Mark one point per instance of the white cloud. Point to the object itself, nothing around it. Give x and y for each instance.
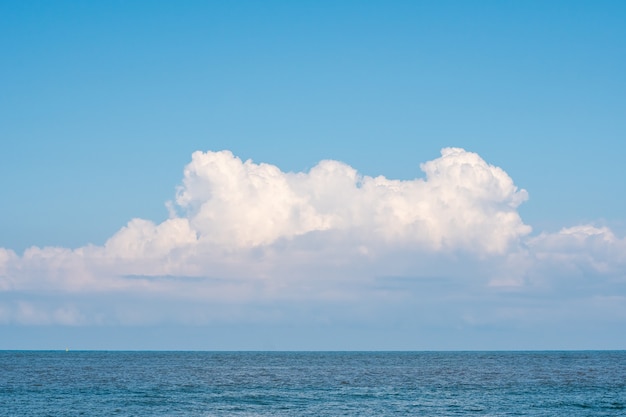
(584, 251)
(463, 203)
(243, 233)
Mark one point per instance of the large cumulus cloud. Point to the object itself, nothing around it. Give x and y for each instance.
(241, 232)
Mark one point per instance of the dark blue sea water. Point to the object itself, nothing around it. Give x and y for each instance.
(312, 384)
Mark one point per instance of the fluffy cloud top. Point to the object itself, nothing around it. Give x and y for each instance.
(463, 203)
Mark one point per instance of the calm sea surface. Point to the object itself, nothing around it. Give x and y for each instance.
(312, 384)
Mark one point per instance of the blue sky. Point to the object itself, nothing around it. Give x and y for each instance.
(103, 104)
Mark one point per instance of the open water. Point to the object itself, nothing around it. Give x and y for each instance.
(312, 383)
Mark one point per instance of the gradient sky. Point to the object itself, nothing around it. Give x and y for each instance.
(395, 175)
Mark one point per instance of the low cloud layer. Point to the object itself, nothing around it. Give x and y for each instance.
(241, 234)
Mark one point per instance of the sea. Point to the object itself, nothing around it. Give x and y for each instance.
(93, 383)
